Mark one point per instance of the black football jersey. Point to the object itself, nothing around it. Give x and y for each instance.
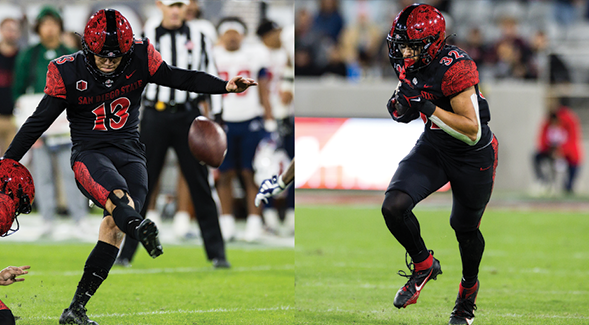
(105, 112)
(451, 72)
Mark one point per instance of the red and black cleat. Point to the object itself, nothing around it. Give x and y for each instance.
(409, 293)
(464, 308)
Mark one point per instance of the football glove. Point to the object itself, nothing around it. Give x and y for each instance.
(269, 187)
(400, 113)
(411, 97)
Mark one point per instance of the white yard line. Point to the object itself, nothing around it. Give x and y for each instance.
(169, 270)
(179, 311)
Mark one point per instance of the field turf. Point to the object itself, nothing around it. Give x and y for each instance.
(535, 269)
(179, 287)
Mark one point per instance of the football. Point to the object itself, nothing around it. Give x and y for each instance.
(207, 141)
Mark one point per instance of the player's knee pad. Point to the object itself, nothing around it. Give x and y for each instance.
(396, 205)
(123, 211)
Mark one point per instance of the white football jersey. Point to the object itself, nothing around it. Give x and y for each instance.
(246, 62)
(277, 66)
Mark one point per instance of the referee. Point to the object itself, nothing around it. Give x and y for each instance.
(167, 118)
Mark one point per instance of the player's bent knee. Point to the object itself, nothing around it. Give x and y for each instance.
(396, 204)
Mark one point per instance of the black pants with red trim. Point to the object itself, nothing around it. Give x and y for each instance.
(423, 171)
(161, 130)
(6, 316)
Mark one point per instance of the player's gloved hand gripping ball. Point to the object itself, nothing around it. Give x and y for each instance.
(410, 98)
(399, 112)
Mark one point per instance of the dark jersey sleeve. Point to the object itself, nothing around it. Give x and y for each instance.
(459, 76)
(47, 111)
(173, 77)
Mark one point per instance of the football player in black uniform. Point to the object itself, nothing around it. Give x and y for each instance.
(439, 82)
(101, 87)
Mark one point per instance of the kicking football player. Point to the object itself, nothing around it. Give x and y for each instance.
(439, 82)
(101, 89)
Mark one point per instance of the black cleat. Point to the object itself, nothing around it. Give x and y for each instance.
(464, 308)
(76, 315)
(409, 293)
(221, 263)
(147, 235)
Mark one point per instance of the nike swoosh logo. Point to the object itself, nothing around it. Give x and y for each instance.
(129, 75)
(427, 86)
(418, 99)
(483, 169)
(418, 288)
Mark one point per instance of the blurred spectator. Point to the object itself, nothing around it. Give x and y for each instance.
(10, 32)
(306, 44)
(52, 152)
(329, 21)
(194, 16)
(565, 11)
(360, 41)
(559, 140)
(475, 46)
(512, 55)
(543, 59)
(72, 41)
(336, 66)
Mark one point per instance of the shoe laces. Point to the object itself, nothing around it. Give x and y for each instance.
(465, 307)
(410, 266)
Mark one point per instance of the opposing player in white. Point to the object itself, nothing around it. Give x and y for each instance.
(244, 117)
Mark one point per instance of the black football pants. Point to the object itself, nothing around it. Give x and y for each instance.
(159, 131)
(423, 171)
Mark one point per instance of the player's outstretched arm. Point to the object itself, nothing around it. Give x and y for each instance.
(9, 275)
(239, 84)
(275, 185)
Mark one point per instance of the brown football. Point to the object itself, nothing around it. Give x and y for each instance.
(207, 141)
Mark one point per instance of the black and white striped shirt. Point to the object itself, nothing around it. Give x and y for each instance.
(186, 47)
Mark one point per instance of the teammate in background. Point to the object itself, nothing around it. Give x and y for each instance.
(166, 121)
(8, 276)
(10, 31)
(101, 88)
(281, 94)
(52, 152)
(439, 82)
(560, 138)
(275, 185)
(245, 116)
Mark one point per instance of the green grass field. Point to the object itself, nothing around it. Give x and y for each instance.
(179, 287)
(535, 269)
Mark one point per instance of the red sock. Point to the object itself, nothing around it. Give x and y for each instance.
(467, 291)
(426, 264)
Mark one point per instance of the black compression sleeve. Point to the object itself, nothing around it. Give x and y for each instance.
(195, 81)
(47, 111)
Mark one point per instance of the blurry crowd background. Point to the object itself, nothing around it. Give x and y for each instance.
(507, 39)
(19, 32)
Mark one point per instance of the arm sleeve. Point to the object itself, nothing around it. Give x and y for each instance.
(195, 81)
(47, 111)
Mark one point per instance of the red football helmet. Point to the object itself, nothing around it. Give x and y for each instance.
(108, 34)
(420, 27)
(17, 192)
